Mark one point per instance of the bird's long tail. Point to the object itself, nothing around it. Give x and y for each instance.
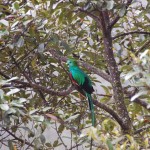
(91, 108)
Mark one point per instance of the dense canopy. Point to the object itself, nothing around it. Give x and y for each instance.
(110, 39)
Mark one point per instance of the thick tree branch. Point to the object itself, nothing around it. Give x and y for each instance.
(39, 87)
(111, 112)
(65, 93)
(114, 73)
(83, 64)
(54, 92)
(113, 22)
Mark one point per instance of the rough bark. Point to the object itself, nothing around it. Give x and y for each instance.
(113, 70)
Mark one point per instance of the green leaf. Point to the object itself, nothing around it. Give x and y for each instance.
(11, 79)
(138, 95)
(22, 100)
(1, 94)
(46, 108)
(110, 4)
(55, 144)
(4, 22)
(72, 117)
(14, 103)
(105, 99)
(12, 91)
(66, 46)
(10, 145)
(20, 42)
(144, 54)
(11, 111)
(117, 46)
(33, 111)
(106, 89)
(16, 5)
(26, 129)
(122, 11)
(109, 144)
(14, 24)
(108, 125)
(42, 138)
(4, 107)
(130, 75)
(61, 128)
(48, 144)
(41, 48)
(38, 118)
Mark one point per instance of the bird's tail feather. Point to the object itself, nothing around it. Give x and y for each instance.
(91, 106)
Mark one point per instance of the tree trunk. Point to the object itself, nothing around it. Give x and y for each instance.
(114, 73)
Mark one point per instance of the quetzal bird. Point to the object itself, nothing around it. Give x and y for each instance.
(83, 83)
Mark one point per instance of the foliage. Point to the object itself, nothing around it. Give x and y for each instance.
(36, 38)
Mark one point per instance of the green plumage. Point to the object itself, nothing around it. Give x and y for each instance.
(81, 79)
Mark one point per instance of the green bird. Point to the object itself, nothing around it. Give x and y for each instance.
(83, 83)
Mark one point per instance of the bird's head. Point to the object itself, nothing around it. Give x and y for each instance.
(72, 62)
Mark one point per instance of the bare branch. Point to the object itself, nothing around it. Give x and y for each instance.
(133, 32)
(144, 46)
(147, 127)
(59, 135)
(19, 139)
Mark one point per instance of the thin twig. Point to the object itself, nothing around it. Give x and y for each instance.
(60, 136)
(115, 20)
(19, 139)
(147, 127)
(129, 33)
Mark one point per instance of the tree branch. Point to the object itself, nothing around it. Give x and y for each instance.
(114, 73)
(142, 103)
(64, 93)
(144, 46)
(89, 14)
(111, 112)
(113, 22)
(83, 64)
(128, 33)
(42, 88)
(21, 140)
(137, 100)
(142, 129)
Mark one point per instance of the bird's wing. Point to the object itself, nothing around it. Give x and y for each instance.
(78, 75)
